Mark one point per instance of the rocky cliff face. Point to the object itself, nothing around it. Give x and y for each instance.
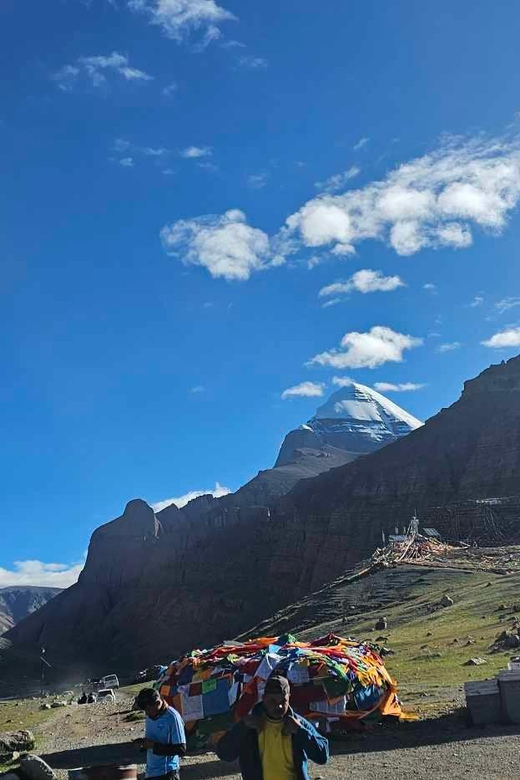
(156, 585)
(17, 602)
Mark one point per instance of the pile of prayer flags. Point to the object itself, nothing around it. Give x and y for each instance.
(336, 683)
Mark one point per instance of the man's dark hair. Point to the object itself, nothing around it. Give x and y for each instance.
(146, 697)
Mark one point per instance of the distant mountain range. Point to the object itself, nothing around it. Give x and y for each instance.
(157, 585)
(18, 601)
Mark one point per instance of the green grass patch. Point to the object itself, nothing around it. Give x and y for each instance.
(430, 644)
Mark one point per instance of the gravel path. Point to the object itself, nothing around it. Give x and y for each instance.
(439, 748)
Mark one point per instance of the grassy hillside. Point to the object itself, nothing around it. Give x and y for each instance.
(431, 644)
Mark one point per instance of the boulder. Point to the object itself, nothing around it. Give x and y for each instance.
(35, 768)
(382, 624)
(15, 742)
(446, 601)
(475, 662)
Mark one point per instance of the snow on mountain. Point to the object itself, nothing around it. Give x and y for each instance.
(355, 419)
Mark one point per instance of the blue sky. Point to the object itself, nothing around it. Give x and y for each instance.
(206, 204)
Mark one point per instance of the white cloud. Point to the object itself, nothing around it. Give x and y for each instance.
(430, 287)
(256, 181)
(170, 89)
(198, 389)
(360, 144)
(96, 70)
(226, 245)
(364, 281)
(37, 573)
(505, 338)
(338, 181)
(478, 300)
(507, 303)
(178, 19)
(180, 501)
(305, 390)
(342, 381)
(367, 350)
(150, 151)
(403, 387)
(232, 44)
(430, 202)
(253, 63)
(449, 346)
(155, 154)
(195, 152)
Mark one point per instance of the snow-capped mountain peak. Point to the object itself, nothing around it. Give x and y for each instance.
(360, 402)
(355, 419)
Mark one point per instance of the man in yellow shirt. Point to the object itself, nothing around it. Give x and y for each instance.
(273, 743)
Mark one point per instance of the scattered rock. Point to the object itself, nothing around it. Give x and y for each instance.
(507, 640)
(56, 704)
(382, 638)
(381, 624)
(429, 633)
(469, 642)
(502, 607)
(446, 601)
(475, 662)
(488, 584)
(45, 706)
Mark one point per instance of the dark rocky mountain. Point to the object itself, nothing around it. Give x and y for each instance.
(156, 585)
(17, 602)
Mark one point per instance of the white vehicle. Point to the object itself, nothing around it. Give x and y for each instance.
(109, 681)
(106, 695)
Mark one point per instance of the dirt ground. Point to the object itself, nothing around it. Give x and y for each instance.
(440, 747)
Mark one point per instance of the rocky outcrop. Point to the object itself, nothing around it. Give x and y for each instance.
(157, 585)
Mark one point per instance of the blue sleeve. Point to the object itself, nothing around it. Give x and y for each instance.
(176, 733)
(312, 743)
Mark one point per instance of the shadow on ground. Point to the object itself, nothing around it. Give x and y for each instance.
(445, 729)
(125, 753)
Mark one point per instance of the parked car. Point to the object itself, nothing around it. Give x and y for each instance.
(109, 681)
(106, 695)
(149, 674)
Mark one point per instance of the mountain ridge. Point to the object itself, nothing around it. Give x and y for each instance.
(194, 581)
(19, 601)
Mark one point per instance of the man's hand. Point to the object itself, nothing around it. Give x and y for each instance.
(143, 744)
(291, 725)
(254, 722)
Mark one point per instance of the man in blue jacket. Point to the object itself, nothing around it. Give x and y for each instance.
(273, 743)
